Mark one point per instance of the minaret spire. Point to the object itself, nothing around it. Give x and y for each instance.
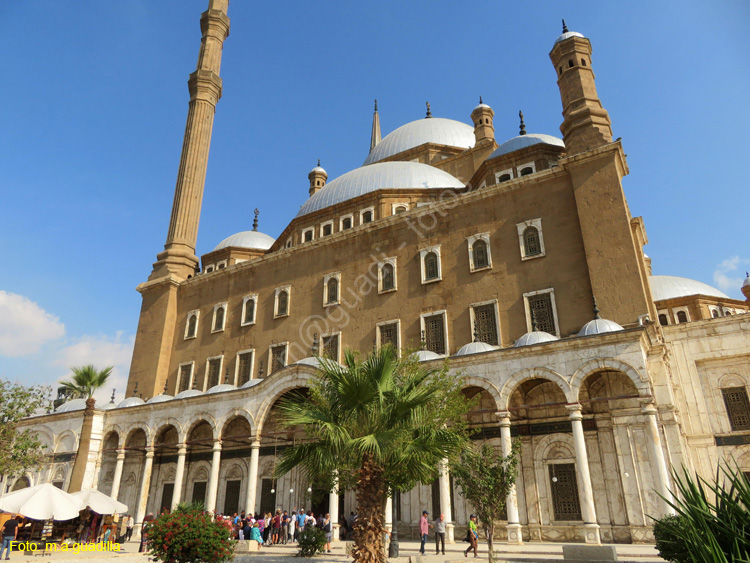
(255, 220)
(178, 258)
(522, 128)
(375, 137)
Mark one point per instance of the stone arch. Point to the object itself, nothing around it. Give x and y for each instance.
(552, 445)
(237, 413)
(67, 441)
(732, 380)
(23, 482)
(534, 373)
(275, 392)
(46, 437)
(111, 441)
(197, 419)
(484, 384)
(600, 364)
(134, 427)
(199, 471)
(233, 469)
(161, 423)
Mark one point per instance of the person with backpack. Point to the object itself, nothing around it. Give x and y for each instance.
(472, 536)
(328, 529)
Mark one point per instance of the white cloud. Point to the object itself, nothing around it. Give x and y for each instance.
(728, 275)
(25, 326)
(101, 351)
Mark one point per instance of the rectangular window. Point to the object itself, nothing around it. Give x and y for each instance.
(244, 367)
(564, 487)
(541, 311)
(331, 347)
(485, 324)
(389, 334)
(738, 407)
(186, 370)
(278, 357)
(434, 333)
(267, 498)
(199, 492)
(232, 497)
(213, 371)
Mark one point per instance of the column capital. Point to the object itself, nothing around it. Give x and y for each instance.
(150, 451)
(574, 411)
(181, 449)
(648, 406)
(120, 453)
(504, 417)
(255, 445)
(217, 445)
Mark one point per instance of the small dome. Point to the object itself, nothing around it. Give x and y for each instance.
(567, 35)
(436, 130)
(523, 141)
(310, 361)
(746, 283)
(188, 393)
(599, 326)
(251, 383)
(247, 239)
(379, 176)
(426, 355)
(72, 405)
(475, 348)
(131, 402)
(221, 388)
(535, 337)
(159, 399)
(109, 406)
(319, 169)
(670, 287)
(480, 106)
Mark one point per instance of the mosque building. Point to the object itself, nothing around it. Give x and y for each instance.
(517, 260)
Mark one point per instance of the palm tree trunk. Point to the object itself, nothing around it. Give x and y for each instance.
(369, 528)
(84, 445)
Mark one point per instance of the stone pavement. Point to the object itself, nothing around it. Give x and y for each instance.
(409, 553)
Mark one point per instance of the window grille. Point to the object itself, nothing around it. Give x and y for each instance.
(367, 217)
(192, 326)
(565, 503)
(388, 278)
(738, 407)
(346, 224)
(531, 242)
(434, 334)
(389, 335)
(485, 324)
(333, 291)
(214, 372)
(331, 347)
(249, 311)
(219, 319)
(479, 249)
(431, 269)
(185, 373)
(540, 307)
(278, 358)
(682, 317)
(663, 321)
(282, 307)
(244, 373)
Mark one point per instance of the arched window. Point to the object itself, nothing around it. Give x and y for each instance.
(400, 209)
(327, 230)
(387, 276)
(503, 178)
(192, 326)
(307, 236)
(282, 306)
(219, 319)
(663, 320)
(583, 62)
(367, 217)
(727, 313)
(715, 314)
(479, 250)
(249, 311)
(431, 268)
(526, 171)
(682, 317)
(531, 242)
(346, 223)
(570, 63)
(333, 291)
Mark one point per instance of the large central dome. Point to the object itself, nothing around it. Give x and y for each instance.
(380, 176)
(433, 130)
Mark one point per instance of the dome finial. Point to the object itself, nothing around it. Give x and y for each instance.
(476, 331)
(255, 221)
(314, 349)
(135, 390)
(112, 400)
(480, 100)
(166, 384)
(523, 125)
(565, 27)
(226, 377)
(318, 162)
(533, 322)
(423, 342)
(429, 113)
(376, 106)
(596, 310)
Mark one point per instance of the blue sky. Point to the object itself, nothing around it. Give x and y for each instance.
(94, 102)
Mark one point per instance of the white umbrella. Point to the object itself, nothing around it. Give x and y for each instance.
(43, 502)
(101, 503)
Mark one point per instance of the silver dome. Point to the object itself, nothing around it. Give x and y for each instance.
(188, 393)
(599, 326)
(567, 35)
(251, 383)
(159, 399)
(481, 106)
(523, 141)
(434, 130)
(747, 280)
(72, 405)
(109, 406)
(131, 402)
(221, 388)
(380, 176)
(310, 361)
(426, 355)
(475, 348)
(535, 337)
(670, 287)
(247, 239)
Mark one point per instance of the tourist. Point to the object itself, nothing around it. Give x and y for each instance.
(310, 520)
(255, 534)
(301, 518)
(328, 529)
(129, 525)
(261, 525)
(285, 520)
(424, 530)
(472, 534)
(10, 533)
(247, 524)
(440, 533)
(276, 527)
(144, 532)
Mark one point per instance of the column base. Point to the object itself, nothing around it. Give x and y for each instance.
(591, 534)
(515, 535)
(449, 533)
(335, 531)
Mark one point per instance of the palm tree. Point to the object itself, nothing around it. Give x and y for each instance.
(379, 424)
(84, 383)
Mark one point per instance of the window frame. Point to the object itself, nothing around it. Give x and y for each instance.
(285, 344)
(378, 341)
(508, 171)
(422, 254)
(221, 265)
(362, 213)
(527, 308)
(208, 365)
(485, 237)
(446, 343)
(326, 279)
(222, 305)
(664, 312)
(726, 409)
(190, 377)
(494, 303)
(381, 264)
(676, 310)
(197, 314)
(521, 228)
(310, 230)
(288, 289)
(337, 334)
(520, 167)
(349, 216)
(326, 224)
(288, 243)
(395, 206)
(254, 298)
(237, 365)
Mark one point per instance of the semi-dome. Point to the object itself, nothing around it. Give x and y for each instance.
(436, 130)
(188, 393)
(247, 239)
(163, 398)
(72, 405)
(426, 355)
(131, 402)
(221, 388)
(251, 383)
(599, 326)
(475, 348)
(671, 287)
(380, 176)
(535, 337)
(523, 141)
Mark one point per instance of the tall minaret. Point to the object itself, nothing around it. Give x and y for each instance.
(375, 137)
(178, 258)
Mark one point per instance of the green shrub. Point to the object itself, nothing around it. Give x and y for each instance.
(312, 541)
(189, 535)
(668, 532)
